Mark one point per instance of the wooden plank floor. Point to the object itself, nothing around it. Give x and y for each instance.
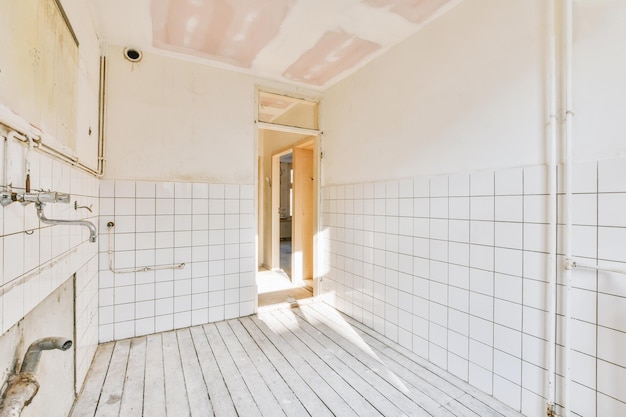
(303, 361)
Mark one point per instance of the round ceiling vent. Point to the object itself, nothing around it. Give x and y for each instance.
(132, 54)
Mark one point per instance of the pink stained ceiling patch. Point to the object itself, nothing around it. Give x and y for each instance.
(232, 31)
(334, 53)
(416, 11)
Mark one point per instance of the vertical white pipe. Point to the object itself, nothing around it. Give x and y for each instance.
(552, 180)
(567, 273)
(5, 174)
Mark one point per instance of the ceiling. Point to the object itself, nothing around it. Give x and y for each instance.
(314, 43)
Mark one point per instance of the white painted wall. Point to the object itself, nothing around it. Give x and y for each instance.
(599, 65)
(173, 120)
(465, 93)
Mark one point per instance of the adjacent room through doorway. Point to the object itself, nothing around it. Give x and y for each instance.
(288, 195)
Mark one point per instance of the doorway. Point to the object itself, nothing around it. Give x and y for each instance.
(287, 199)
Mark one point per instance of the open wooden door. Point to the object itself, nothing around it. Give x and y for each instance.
(303, 212)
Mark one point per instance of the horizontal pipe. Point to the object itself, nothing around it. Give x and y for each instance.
(112, 268)
(572, 263)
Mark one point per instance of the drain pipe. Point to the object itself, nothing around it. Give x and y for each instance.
(553, 138)
(567, 249)
(22, 388)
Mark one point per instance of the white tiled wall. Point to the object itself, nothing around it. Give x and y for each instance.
(455, 269)
(209, 227)
(35, 258)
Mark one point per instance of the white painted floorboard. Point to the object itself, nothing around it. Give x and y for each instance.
(306, 361)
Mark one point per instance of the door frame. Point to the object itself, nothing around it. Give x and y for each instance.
(317, 136)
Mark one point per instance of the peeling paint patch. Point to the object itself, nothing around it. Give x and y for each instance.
(416, 11)
(232, 31)
(334, 53)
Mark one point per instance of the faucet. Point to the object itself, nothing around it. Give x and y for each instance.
(92, 229)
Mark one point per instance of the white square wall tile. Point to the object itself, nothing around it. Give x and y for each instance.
(583, 368)
(536, 294)
(164, 190)
(611, 282)
(482, 183)
(459, 231)
(481, 281)
(584, 209)
(405, 189)
(583, 401)
(200, 190)
(508, 315)
(481, 378)
(439, 229)
(482, 208)
(421, 187)
(536, 237)
(508, 261)
(508, 235)
(508, 208)
(534, 379)
(536, 208)
(481, 306)
(608, 406)
(481, 354)
(584, 241)
(482, 232)
(611, 174)
(508, 288)
(459, 276)
(459, 207)
(536, 180)
(182, 190)
(246, 191)
(458, 321)
(124, 206)
(379, 190)
(439, 186)
(145, 189)
(612, 244)
(507, 392)
(107, 188)
(611, 209)
(458, 253)
(584, 177)
(507, 366)
(534, 320)
(610, 312)
(611, 380)
(459, 185)
(392, 189)
(125, 189)
(481, 330)
(509, 181)
(231, 191)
